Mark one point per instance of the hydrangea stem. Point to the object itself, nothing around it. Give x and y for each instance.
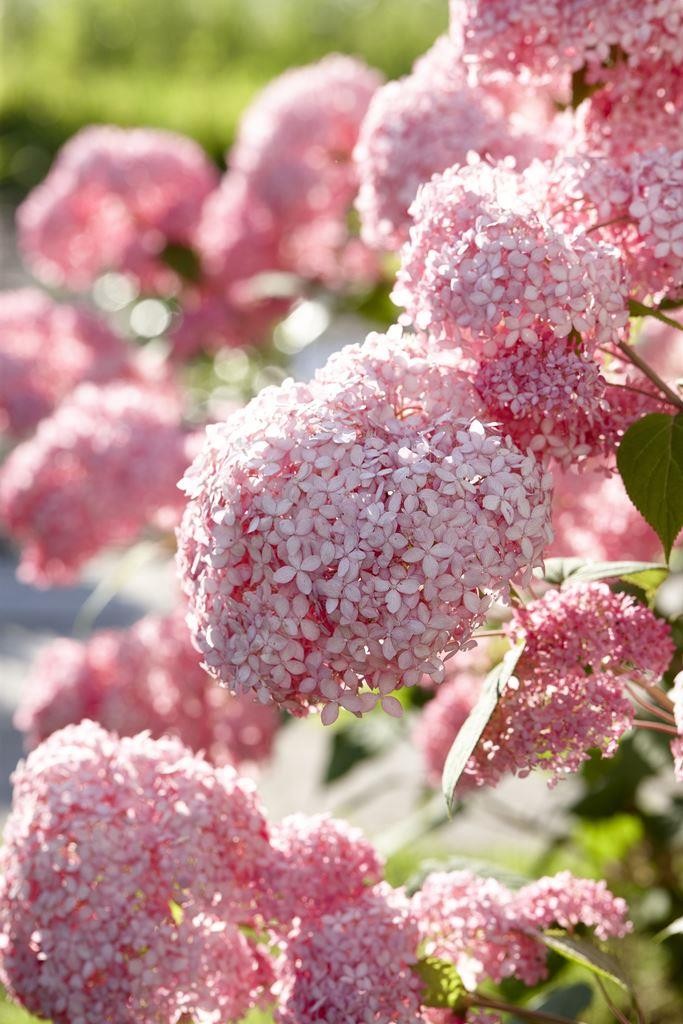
(536, 1016)
(630, 353)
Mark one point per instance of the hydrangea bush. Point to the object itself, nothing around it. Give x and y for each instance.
(459, 531)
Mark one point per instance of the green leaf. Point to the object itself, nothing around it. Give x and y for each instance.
(183, 260)
(567, 1001)
(575, 570)
(347, 749)
(675, 928)
(177, 912)
(443, 984)
(639, 309)
(471, 732)
(586, 954)
(650, 460)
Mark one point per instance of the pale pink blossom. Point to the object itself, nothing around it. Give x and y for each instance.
(326, 865)
(340, 535)
(491, 933)
(544, 35)
(109, 843)
(100, 469)
(46, 349)
(565, 901)
(569, 695)
(354, 964)
(486, 269)
(676, 695)
(427, 121)
(293, 148)
(113, 199)
(592, 516)
(147, 677)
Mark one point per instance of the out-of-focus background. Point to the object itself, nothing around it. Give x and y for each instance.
(186, 65)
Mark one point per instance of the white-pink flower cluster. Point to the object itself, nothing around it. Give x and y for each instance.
(138, 883)
(147, 677)
(340, 535)
(46, 349)
(486, 269)
(102, 467)
(113, 200)
(419, 125)
(584, 647)
(127, 867)
(550, 34)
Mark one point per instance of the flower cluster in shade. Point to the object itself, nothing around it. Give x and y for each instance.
(339, 536)
(140, 884)
(97, 471)
(147, 677)
(113, 200)
(431, 119)
(585, 648)
(46, 349)
(443, 718)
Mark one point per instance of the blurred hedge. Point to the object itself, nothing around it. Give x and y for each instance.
(187, 65)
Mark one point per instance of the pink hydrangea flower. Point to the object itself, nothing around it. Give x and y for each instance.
(565, 901)
(636, 110)
(114, 198)
(146, 677)
(443, 718)
(636, 208)
(471, 922)
(326, 864)
(544, 36)
(294, 148)
(490, 932)
(583, 645)
(553, 402)
(353, 964)
(46, 349)
(591, 516)
(101, 468)
(103, 835)
(427, 121)
(340, 535)
(485, 268)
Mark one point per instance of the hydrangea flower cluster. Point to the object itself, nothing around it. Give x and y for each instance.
(341, 535)
(114, 198)
(98, 470)
(485, 269)
(144, 678)
(542, 37)
(106, 838)
(489, 931)
(419, 125)
(584, 646)
(46, 349)
(138, 884)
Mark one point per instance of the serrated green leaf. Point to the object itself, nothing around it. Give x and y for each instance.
(442, 984)
(639, 309)
(470, 733)
(675, 928)
(586, 954)
(650, 461)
